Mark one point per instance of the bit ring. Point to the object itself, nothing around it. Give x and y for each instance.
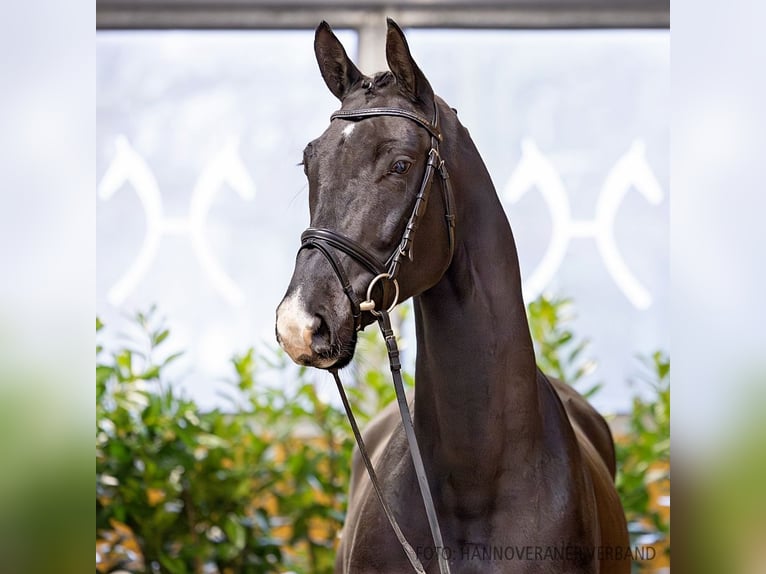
(369, 304)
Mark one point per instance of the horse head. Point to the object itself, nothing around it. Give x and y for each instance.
(364, 176)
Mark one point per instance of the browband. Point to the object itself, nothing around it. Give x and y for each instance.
(373, 112)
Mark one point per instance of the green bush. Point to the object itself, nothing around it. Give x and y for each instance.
(261, 486)
(177, 480)
(643, 458)
(558, 350)
(258, 489)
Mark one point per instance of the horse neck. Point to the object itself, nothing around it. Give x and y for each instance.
(475, 368)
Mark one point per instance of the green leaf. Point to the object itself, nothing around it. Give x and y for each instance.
(151, 373)
(174, 565)
(592, 390)
(124, 360)
(172, 357)
(158, 338)
(235, 532)
(103, 373)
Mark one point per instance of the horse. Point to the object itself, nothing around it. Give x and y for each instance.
(521, 468)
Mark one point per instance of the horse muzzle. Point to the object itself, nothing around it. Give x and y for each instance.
(309, 338)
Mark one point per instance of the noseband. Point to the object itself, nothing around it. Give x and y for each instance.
(327, 242)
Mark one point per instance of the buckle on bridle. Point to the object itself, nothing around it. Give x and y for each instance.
(369, 304)
(434, 158)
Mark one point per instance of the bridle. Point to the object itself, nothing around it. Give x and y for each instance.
(324, 239)
(327, 242)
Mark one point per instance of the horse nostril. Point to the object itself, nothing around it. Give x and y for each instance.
(320, 339)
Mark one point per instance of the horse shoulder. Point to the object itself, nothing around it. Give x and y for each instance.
(592, 426)
(597, 449)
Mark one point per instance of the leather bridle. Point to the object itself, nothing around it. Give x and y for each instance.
(327, 242)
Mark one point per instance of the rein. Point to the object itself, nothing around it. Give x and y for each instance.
(327, 242)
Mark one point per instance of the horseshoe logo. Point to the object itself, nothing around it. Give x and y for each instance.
(630, 170)
(128, 166)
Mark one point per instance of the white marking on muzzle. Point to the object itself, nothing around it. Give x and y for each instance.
(348, 129)
(295, 326)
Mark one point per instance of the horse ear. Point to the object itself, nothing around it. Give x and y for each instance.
(338, 71)
(410, 79)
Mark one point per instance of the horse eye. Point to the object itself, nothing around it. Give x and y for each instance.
(400, 167)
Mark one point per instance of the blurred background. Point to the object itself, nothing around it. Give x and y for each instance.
(203, 109)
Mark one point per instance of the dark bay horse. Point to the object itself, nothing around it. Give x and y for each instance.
(521, 467)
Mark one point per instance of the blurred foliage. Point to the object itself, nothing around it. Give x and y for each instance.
(643, 460)
(257, 488)
(560, 353)
(262, 486)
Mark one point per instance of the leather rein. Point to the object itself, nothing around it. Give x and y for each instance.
(328, 242)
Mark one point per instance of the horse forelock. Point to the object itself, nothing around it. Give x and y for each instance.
(377, 84)
(382, 79)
